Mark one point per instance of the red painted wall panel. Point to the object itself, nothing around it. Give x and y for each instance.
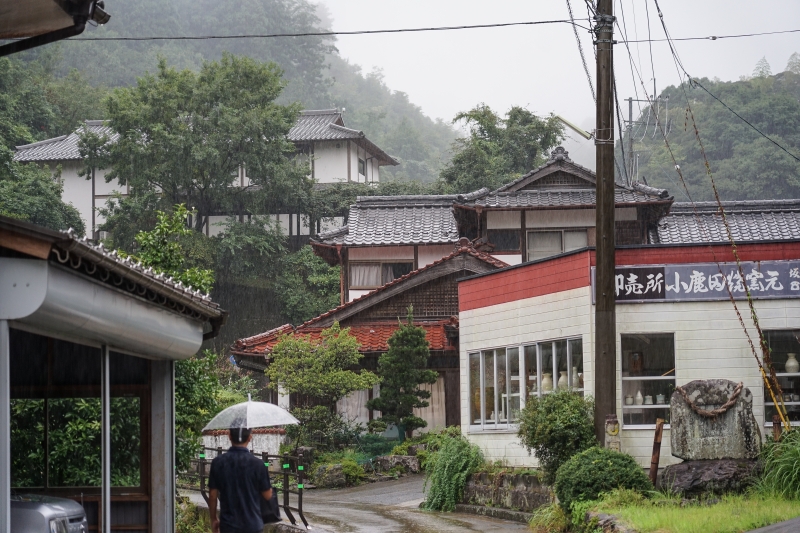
(574, 271)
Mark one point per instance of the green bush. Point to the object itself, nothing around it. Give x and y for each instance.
(597, 470)
(353, 472)
(781, 462)
(556, 427)
(448, 469)
(374, 445)
(549, 519)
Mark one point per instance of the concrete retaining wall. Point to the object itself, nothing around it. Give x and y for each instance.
(520, 492)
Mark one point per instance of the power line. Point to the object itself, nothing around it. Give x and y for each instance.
(580, 49)
(407, 30)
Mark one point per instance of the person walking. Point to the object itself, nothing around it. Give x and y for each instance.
(239, 480)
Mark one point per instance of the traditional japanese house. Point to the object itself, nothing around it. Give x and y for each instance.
(529, 329)
(88, 343)
(373, 318)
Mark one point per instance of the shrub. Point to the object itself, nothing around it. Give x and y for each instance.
(448, 470)
(597, 470)
(374, 445)
(549, 519)
(781, 462)
(556, 427)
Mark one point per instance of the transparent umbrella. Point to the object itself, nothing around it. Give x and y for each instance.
(250, 415)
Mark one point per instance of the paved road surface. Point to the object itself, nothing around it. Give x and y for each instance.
(386, 507)
(790, 526)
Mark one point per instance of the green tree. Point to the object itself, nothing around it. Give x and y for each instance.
(402, 369)
(762, 69)
(794, 63)
(319, 373)
(187, 134)
(196, 391)
(499, 149)
(306, 286)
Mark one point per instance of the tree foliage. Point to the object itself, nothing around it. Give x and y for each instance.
(320, 371)
(448, 471)
(402, 369)
(306, 286)
(556, 427)
(745, 165)
(499, 149)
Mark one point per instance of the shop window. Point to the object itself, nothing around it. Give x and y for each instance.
(648, 378)
(504, 240)
(784, 349)
(375, 274)
(542, 244)
(501, 379)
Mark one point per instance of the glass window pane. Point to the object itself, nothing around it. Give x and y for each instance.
(574, 240)
(781, 345)
(547, 366)
(27, 443)
(514, 385)
(489, 389)
(504, 240)
(73, 444)
(366, 275)
(543, 244)
(531, 369)
(501, 399)
(126, 445)
(648, 355)
(475, 388)
(392, 271)
(561, 364)
(576, 351)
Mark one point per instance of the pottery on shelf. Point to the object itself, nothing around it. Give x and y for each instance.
(648, 400)
(660, 399)
(628, 400)
(792, 366)
(580, 380)
(562, 381)
(639, 398)
(547, 381)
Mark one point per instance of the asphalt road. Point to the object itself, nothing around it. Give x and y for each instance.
(385, 507)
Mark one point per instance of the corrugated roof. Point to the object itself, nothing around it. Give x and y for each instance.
(762, 220)
(62, 148)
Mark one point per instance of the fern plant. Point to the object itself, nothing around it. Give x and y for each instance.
(448, 470)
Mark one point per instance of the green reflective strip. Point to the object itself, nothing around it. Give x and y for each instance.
(299, 485)
(300, 467)
(202, 456)
(266, 464)
(286, 465)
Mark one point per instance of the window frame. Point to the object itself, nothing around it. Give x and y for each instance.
(673, 378)
(374, 262)
(781, 376)
(518, 249)
(489, 426)
(563, 231)
(362, 165)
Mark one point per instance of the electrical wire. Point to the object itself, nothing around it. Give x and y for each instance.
(580, 49)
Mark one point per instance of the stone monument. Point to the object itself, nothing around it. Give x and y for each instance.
(713, 429)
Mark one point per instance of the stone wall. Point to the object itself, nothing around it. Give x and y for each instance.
(520, 492)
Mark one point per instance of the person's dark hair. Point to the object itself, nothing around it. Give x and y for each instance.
(239, 435)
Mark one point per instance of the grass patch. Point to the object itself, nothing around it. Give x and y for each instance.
(732, 514)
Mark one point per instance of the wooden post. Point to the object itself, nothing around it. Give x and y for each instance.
(776, 428)
(656, 450)
(605, 335)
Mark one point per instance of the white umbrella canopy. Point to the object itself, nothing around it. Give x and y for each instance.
(250, 415)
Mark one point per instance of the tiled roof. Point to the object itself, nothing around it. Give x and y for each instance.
(763, 220)
(552, 198)
(371, 336)
(327, 125)
(62, 148)
(241, 346)
(397, 220)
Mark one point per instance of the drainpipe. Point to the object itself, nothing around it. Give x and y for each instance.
(105, 447)
(5, 425)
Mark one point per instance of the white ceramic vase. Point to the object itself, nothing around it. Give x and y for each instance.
(547, 381)
(639, 398)
(792, 366)
(562, 380)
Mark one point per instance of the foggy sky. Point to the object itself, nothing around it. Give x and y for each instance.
(539, 67)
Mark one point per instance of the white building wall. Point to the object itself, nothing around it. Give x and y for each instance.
(330, 162)
(432, 252)
(709, 344)
(78, 191)
(381, 253)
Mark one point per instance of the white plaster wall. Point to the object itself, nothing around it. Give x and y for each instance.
(511, 259)
(330, 162)
(553, 316)
(381, 253)
(709, 344)
(78, 191)
(503, 220)
(430, 253)
(572, 218)
(352, 295)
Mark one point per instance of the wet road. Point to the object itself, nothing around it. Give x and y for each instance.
(386, 507)
(389, 507)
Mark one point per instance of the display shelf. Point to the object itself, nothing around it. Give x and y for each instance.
(648, 378)
(652, 406)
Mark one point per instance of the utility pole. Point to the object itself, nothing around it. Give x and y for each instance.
(629, 162)
(605, 322)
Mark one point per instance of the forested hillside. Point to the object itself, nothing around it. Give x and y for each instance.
(316, 75)
(745, 165)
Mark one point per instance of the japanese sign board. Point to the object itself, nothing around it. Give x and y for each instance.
(705, 281)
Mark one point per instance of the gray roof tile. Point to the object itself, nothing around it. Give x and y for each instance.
(764, 220)
(549, 198)
(62, 148)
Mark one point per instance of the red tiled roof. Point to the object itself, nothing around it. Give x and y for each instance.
(372, 336)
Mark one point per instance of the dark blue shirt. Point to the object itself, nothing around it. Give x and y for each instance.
(240, 477)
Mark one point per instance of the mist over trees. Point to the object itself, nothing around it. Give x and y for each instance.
(745, 165)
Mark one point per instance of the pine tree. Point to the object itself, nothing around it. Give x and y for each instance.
(762, 69)
(402, 369)
(794, 63)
